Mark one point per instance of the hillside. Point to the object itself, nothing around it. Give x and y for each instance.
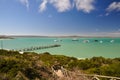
(44, 66)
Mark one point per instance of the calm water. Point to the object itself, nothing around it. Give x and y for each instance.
(70, 48)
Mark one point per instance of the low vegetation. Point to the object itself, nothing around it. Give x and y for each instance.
(33, 66)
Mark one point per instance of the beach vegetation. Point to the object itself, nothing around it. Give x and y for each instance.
(31, 66)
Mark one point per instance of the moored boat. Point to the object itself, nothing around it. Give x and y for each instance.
(75, 39)
(112, 41)
(86, 41)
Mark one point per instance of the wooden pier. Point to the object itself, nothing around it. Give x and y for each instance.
(37, 48)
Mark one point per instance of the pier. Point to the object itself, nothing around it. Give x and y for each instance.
(37, 48)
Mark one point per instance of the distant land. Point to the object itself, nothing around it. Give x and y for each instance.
(5, 37)
(71, 36)
(66, 36)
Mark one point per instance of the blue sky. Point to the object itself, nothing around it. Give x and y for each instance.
(60, 17)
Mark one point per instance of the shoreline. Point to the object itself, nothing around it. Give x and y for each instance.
(11, 36)
(6, 37)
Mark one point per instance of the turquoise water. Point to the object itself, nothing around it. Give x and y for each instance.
(68, 47)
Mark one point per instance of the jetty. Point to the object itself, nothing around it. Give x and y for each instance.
(37, 48)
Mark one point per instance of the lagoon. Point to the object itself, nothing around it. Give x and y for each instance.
(106, 47)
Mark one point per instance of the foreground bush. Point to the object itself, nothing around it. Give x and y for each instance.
(31, 66)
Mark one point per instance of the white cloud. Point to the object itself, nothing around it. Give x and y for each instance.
(61, 5)
(65, 5)
(43, 7)
(114, 6)
(85, 5)
(25, 2)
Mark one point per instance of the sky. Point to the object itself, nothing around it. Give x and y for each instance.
(60, 17)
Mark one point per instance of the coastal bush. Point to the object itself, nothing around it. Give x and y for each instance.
(8, 53)
(32, 65)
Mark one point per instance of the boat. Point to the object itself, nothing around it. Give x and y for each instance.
(57, 40)
(86, 41)
(101, 41)
(75, 39)
(112, 41)
(95, 40)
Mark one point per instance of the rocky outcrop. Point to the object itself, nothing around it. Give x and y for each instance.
(61, 73)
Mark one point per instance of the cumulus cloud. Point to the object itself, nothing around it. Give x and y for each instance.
(65, 5)
(85, 5)
(115, 6)
(25, 2)
(61, 5)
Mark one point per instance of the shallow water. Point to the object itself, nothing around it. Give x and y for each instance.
(68, 47)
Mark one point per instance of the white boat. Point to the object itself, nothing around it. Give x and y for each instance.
(86, 41)
(112, 41)
(57, 40)
(101, 41)
(75, 39)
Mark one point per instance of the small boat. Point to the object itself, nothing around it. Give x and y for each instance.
(95, 40)
(101, 41)
(60, 40)
(75, 39)
(55, 40)
(86, 41)
(112, 41)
